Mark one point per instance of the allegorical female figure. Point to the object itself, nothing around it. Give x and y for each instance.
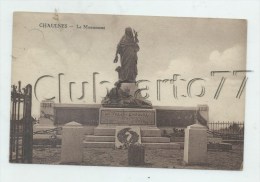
(127, 48)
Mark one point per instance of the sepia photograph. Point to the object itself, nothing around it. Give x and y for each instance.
(128, 91)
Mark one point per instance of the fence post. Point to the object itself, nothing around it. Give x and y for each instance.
(72, 143)
(195, 144)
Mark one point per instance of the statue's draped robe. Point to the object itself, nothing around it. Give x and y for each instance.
(128, 48)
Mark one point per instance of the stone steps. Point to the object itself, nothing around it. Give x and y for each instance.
(151, 132)
(162, 145)
(110, 131)
(88, 144)
(155, 140)
(104, 131)
(92, 138)
(104, 137)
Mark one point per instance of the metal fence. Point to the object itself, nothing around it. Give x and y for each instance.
(227, 130)
(21, 125)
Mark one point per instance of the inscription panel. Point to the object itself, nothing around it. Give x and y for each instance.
(127, 116)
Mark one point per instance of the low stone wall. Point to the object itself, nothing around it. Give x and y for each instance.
(179, 117)
(87, 114)
(84, 114)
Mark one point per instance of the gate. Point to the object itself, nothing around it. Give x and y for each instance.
(21, 125)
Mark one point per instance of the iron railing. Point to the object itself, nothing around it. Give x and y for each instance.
(227, 130)
(21, 125)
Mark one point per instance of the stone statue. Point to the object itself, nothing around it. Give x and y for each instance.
(126, 94)
(127, 48)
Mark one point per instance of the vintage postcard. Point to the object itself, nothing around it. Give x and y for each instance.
(142, 91)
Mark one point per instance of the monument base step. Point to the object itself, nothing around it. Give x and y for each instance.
(88, 144)
(162, 145)
(39, 127)
(92, 138)
(155, 140)
(150, 132)
(110, 131)
(104, 137)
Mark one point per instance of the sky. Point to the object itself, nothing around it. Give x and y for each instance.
(191, 47)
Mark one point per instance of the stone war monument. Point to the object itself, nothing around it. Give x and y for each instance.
(126, 117)
(126, 92)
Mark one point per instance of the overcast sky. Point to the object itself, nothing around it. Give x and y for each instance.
(191, 47)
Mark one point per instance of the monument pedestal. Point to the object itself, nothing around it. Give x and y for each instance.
(127, 116)
(145, 119)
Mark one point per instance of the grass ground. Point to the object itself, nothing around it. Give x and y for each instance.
(158, 158)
